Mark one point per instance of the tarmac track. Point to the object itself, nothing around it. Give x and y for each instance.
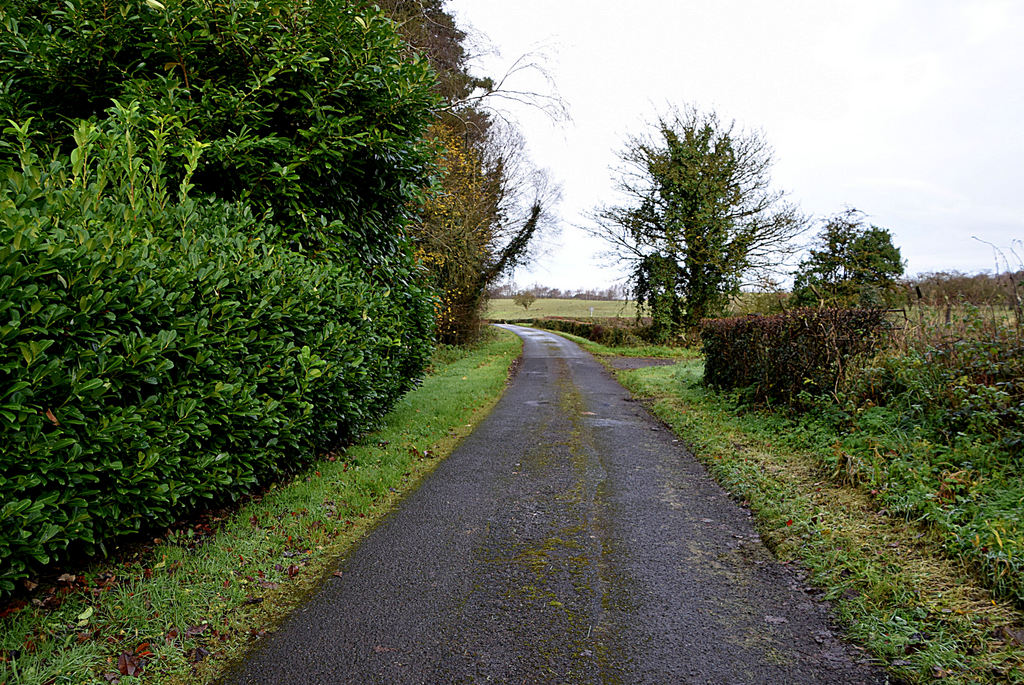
(569, 539)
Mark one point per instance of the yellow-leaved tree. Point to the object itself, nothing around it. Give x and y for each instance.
(455, 234)
(487, 202)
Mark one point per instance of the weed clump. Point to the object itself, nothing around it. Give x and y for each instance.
(934, 425)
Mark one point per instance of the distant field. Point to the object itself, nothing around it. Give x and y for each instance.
(507, 309)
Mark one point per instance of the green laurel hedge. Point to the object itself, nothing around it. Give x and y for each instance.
(159, 351)
(306, 109)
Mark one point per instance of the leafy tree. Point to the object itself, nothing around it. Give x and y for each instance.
(453, 233)
(853, 265)
(699, 216)
(656, 285)
(433, 33)
(525, 299)
(474, 229)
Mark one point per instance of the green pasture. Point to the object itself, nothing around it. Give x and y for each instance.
(507, 309)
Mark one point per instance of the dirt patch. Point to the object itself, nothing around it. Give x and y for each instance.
(630, 363)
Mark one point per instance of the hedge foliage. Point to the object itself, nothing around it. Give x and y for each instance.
(311, 110)
(781, 356)
(200, 288)
(601, 333)
(159, 351)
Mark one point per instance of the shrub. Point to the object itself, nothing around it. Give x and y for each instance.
(159, 352)
(601, 333)
(779, 357)
(311, 110)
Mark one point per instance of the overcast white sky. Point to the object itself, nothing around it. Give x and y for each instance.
(909, 110)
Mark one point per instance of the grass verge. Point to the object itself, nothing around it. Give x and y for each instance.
(181, 609)
(892, 585)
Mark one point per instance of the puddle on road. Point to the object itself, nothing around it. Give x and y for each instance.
(602, 423)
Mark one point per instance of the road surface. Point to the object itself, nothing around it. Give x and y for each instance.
(569, 539)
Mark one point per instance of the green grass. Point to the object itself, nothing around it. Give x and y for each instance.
(896, 589)
(188, 604)
(507, 309)
(970, 491)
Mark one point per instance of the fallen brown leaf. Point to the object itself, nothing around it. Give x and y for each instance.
(193, 631)
(129, 664)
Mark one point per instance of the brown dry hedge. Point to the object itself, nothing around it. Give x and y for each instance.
(780, 356)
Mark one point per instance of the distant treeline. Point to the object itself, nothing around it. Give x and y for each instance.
(933, 288)
(507, 290)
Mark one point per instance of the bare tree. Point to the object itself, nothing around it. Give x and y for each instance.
(526, 202)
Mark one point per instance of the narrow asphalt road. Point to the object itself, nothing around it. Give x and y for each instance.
(569, 539)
